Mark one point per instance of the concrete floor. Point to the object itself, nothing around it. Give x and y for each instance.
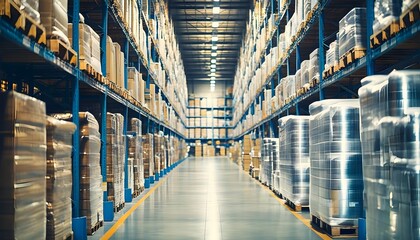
(209, 198)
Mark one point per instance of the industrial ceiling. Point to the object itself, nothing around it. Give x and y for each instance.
(201, 27)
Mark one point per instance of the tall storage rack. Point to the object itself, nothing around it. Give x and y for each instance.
(194, 119)
(28, 66)
(399, 51)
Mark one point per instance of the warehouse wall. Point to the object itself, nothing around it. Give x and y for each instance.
(202, 89)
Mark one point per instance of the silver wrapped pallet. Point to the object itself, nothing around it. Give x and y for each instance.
(91, 196)
(336, 182)
(294, 159)
(352, 31)
(59, 178)
(390, 154)
(136, 153)
(22, 167)
(269, 155)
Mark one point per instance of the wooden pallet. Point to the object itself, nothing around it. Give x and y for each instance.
(119, 207)
(303, 90)
(61, 50)
(135, 194)
(351, 56)
(410, 16)
(89, 70)
(69, 236)
(334, 231)
(384, 34)
(22, 21)
(92, 230)
(296, 206)
(328, 72)
(313, 82)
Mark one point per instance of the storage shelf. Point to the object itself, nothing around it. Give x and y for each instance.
(411, 32)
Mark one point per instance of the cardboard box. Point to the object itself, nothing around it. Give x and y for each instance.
(111, 68)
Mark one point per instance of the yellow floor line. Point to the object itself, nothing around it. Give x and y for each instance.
(121, 221)
(305, 221)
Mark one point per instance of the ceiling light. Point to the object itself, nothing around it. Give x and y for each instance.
(212, 82)
(212, 74)
(212, 89)
(216, 0)
(214, 39)
(213, 61)
(216, 10)
(214, 47)
(213, 78)
(213, 66)
(215, 24)
(212, 70)
(214, 54)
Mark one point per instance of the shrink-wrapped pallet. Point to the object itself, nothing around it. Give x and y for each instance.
(22, 167)
(352, 31)
(85, 35)
(336, 181)
(91, 195)
(386, 11)
(294, 159)
(148, 157)
(269, 154)
(133, 82)
(136, 154)
(30, 7)
(157, 147)
(331, 56)
(389, 117)
(313, 67)
(304, 79)
(59, 178)
(54, 19)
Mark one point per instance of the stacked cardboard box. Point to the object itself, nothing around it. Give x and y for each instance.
(148, 159)
(222, 151)
(198, 149)
(22, 167)
(59, 178)
(246, 157)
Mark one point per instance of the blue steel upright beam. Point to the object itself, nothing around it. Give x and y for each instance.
(75, 111)
(298, 62)
(126, 57)
(321, 55)
(370, 62)
(104, 97)
(78, 223)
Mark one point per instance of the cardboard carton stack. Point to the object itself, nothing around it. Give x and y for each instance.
(246, 157)
(198, 149)
(256, 157)
(148, 159)
(157, 147)
(136, 154)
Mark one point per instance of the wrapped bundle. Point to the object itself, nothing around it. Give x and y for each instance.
(331, 57)
(133, 82)
(386, 11)
(269, 155)
(336, 182)
(382, 97)
(119, 176)
(148, 159)
(91, 196)
(313, 67)
(136, 153)
(304, 79)
(111, 156)
(85, 36)
(298, 80)
(30, 7)
(157, 147)
(22, 166)
(59, 178)
(352, 33)
(294, 159)
(54, 19)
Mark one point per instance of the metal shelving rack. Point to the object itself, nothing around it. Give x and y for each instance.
(224, 139)
(399, 52)
(65, 88)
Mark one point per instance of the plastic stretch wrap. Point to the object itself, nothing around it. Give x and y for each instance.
(336, 181)
(298, 80)
(389, 125)
(59, 178)
(352, 33)
(386, 11)
(22, 166)
(54, 18)
(269, 155)
(85, 36)
(313, 67)
(148, 157)
(294, 158)
(30, 7)
(91, 197)
(304, 79)
(136, 153)
(157, 147)
(331, 57)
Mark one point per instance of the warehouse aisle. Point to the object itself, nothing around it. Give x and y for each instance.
(210, 198)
